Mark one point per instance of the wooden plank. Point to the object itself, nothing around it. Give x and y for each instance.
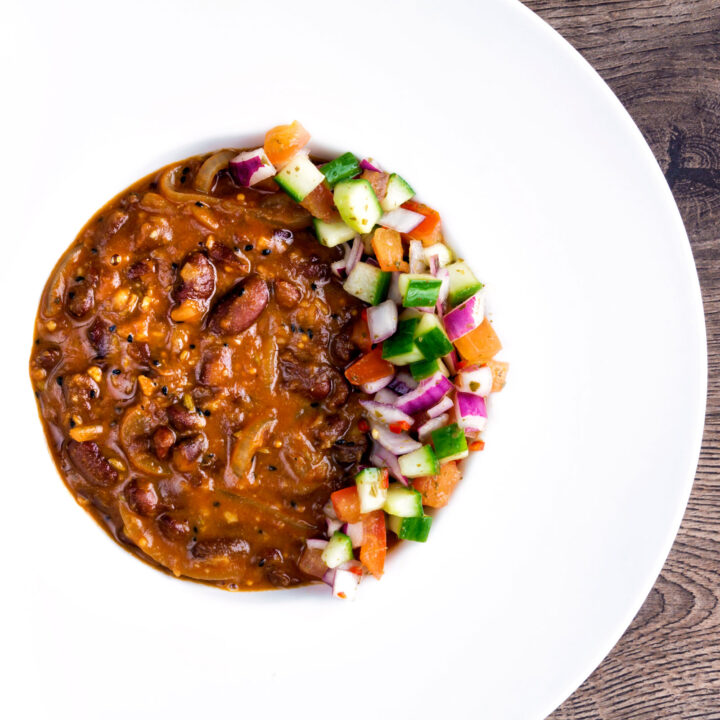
(662, 59)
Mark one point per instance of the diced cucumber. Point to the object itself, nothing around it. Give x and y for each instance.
(400, 349)
(441, 251)
(449, 443)
(419, 463)
(341, 168)
(410, 528)
(357, 203)
(419, 290)
(398, 192)
(425, 368)
(463, 284)
(403, 502)
(338, 550)
(371, 492)
(367, 282)
(430, 337)
(299, 177)
(332, 234)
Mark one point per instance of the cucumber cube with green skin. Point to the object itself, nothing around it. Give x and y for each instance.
(463, 284)
(299, 177)
(400, 348)
(426, 368)
(372, 494)
(431, 339)
(419, 290)
(419, 463)
(338, 550)
(449, 443)
(416, 529)
(332, 234)
(398, 191)
(341, 168)
(403, 501)
(357, 204)
(367, 282)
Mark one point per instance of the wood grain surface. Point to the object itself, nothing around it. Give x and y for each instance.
(662, 59)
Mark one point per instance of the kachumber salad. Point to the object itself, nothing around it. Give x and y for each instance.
(256, 369)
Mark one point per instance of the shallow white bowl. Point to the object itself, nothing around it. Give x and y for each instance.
(546, 187)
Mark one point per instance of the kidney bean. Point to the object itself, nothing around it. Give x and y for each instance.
(100, 337)
(216, 367)
(173, 528)
(287, 293)
(223, 255)
(91, 463)
(48, 358)
(198, 279)
(183, 419)
(219, 547)
(80, 299)
(142, 497)
(187, 451)
(163, 439)
(241, 307)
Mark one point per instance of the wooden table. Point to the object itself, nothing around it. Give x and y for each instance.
(662, 59)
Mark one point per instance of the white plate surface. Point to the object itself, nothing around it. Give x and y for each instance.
(560, 527)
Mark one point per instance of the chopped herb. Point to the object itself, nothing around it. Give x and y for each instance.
(58, 380)
(266, 251)
(116, 371)
(164, 390)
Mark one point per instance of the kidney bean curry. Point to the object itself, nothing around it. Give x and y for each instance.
(193, 366)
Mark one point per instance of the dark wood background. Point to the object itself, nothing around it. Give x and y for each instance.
(662, 59)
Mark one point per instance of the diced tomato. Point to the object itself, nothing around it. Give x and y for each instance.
(378, 180)
(346, 503)
(374, 542)
(388, 248)
(476, 445)
(428, 231)
(499, 373)
(320, 204)
(363, 425)
(368, 368)
(436, 489)
(283, 141)
(399, 427)
(480, 344)
(360, 335)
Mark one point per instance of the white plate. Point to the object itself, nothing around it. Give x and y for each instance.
(546, 186)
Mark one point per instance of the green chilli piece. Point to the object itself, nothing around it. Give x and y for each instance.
(341, 168)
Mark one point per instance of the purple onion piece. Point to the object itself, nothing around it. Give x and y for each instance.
(403, 383)
(367, 165)
(465, 317)
(428, 393)
(382, 457)
(373, 387)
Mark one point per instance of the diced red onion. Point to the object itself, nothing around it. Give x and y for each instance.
(451, 361)
(316, 543)
(477, 380)
(434, 265)
(386, 414)
(444, 275)
(355, 532)
(373, 387)
(445, 404)
(329, 510)
(251, 167)
(470, 412)
(416, 257)
(403, 383)
(396, 443)
(329, 577)
(382, 320)
(394, 289)
(338, 268)
(367, 165)
(346, 580)
(400, 219)
(354, 255)
(434, 423)
(386, 396)
(382, 457)
(428, 393)
(333, 525)
(466, 317)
